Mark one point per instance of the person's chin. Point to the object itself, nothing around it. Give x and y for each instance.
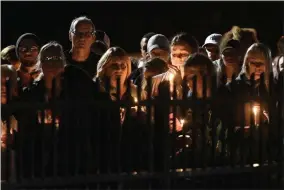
(29, 63)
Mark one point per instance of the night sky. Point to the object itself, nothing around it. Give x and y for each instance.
(127, 22)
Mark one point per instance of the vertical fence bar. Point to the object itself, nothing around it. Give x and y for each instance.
(54, 133)
(8, 140)
(184, 108)
(204, 122)
(212, 124)
(174, 132)
(150, 128)
(118, 100)
(280, 129)
(166, 127)
(252, 124)
(98, 137)
(42, 126)
(231, 129)
(242, 135)
(261, 127)
(224, 124)
(194, 118)
(174, 129)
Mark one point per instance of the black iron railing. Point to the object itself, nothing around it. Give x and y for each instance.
(88, 146)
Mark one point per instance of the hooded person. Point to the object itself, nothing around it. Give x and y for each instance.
(246, 37)
(27, 50)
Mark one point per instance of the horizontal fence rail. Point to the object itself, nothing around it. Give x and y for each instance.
(229, 135)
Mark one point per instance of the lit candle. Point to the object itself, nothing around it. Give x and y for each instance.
(256, 110)
(122, 115)
(171, 80)
(135, 101)
(181, 122)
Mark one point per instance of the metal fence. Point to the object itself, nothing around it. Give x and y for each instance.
(88, 147)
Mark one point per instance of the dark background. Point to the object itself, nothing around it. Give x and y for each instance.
(127, 22)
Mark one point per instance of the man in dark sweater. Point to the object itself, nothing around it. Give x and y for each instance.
(82, 35)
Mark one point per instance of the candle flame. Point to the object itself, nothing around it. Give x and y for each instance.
(135, 100)
(182, 122)
(255, 110)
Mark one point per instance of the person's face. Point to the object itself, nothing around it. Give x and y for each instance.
(230, 57)
(212, 51)
(83, 37)
(179, 54)
(159, 53)
(52, 62)
(199, 72)
(117, 69)
(28, 52)
(256, 65)
(143, 47)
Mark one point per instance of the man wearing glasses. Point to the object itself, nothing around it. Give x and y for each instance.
(82, 36)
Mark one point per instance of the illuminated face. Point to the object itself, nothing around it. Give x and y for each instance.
(159, 53)
(117, 68)
(52, 62)
(256, 64)
(143, 46)
(179, 54)
(83, 36)
(199, 72)
(212, 51)
(28, 52)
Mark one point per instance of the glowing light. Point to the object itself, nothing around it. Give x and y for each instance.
(255, 110)
(182, 122)
(171, 76)
(255, 165)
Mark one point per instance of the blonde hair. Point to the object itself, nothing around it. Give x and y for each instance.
(103, 63)
(258, 49)
(48, 46)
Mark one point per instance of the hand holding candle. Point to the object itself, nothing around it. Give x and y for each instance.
(179, 123)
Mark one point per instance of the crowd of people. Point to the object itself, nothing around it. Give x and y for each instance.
(94, 71)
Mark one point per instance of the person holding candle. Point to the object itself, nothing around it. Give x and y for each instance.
(249, 96)
(51, 62)
(182, 46)
(113, 67)
(200, 66)
(8, 72)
